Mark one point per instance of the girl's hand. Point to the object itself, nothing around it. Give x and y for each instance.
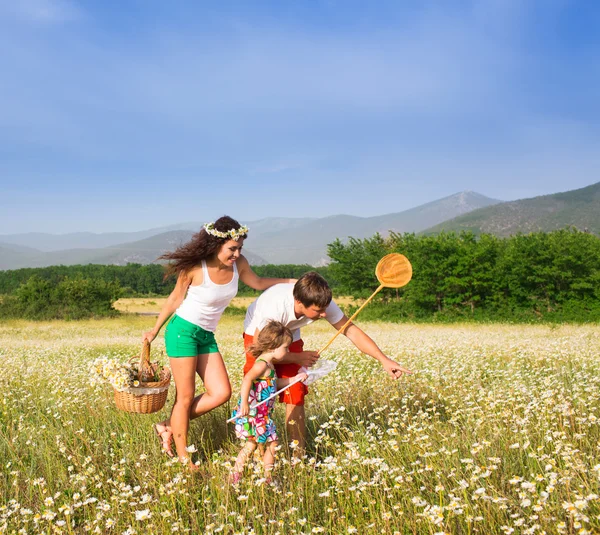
(302, 376)
(244, 409)
(149, 335)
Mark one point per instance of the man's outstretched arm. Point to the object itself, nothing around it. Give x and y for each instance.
(366, 345)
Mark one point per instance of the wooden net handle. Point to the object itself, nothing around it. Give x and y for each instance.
(350, 320)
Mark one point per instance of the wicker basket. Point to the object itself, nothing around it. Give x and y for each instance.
(148, 397)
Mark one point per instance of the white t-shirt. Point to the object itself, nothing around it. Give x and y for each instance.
(277, 303)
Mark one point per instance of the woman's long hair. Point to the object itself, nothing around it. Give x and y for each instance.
(201, 247)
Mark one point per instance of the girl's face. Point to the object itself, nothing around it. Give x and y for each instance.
(280, 352)
(230, 251)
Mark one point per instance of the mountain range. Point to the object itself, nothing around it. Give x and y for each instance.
(578, 208)
(304, 240)
(271, 240)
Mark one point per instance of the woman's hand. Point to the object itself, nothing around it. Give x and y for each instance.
(244, 409)
(150, 335)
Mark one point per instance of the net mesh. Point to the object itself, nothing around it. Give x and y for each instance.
(393, 270)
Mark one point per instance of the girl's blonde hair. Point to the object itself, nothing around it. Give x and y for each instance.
(275, 334)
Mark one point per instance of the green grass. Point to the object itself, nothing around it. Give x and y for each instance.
(497, 430)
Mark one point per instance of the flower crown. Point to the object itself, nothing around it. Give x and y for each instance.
(234, 233)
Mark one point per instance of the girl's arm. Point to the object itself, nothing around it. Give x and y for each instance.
(255, 372)
(285, 381)
(249, 278)
(173, 301)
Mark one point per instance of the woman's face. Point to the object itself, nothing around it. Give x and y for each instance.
(230, 251)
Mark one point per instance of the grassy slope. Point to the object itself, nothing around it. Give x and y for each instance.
(579, 208)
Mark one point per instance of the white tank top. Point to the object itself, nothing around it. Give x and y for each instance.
(204, 304)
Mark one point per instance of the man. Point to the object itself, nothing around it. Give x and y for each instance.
(297, 305)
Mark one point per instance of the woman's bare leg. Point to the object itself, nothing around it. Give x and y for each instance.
(184, 374)
(212, 371)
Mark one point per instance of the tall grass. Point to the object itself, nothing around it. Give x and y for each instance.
(497, 432)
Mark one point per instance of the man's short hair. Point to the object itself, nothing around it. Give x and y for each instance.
(312, 289)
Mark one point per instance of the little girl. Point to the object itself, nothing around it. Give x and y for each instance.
(255, 426)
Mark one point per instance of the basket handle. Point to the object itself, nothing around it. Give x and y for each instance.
(145, 354)
(145, 369)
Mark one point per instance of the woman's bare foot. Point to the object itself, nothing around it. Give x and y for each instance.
(165, 435)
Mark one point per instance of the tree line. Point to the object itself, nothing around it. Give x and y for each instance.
(70, 299)
(554, 275)
(75, 292)
(135, 280)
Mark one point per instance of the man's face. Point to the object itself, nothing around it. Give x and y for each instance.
(313, 312)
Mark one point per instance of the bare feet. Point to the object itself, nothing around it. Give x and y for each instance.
(165, 435)
(235, 478)
(187, 462)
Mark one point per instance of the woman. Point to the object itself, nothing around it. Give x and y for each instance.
(208, 268)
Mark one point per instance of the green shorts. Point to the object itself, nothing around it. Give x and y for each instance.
(184, 339)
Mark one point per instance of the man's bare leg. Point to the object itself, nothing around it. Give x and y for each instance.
(296, 428)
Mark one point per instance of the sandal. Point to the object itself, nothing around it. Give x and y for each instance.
(165, 443)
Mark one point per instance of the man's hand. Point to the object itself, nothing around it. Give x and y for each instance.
(306, 358)
(394, 370)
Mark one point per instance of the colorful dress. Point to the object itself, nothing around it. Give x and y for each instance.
(258, 425)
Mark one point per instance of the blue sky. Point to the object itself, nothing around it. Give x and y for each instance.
(135, 114)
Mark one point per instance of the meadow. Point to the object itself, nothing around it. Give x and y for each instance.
(497, 432)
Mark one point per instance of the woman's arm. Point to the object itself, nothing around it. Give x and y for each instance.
(173, 301)
(249, 278)
(254, 373)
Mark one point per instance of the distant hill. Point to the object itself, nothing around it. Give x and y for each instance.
(579, 208)
(11, 254)
(277, 240)
(46, 242)
(308, 243)
(144, 251)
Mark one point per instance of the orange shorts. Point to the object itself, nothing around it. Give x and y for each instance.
(294, 395)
